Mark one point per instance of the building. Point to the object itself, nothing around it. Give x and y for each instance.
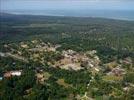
(16, 73)
(7, 75)
(24, 45)
(12, 73)
(1, 78)
(117, 71)
(2, 54)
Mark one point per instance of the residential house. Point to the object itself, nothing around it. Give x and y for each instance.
(1, 78)
(117, 71)
(12, 73)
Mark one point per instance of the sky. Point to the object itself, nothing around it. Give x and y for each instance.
(66, 4)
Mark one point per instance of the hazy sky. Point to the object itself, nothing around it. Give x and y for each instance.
(66, 4)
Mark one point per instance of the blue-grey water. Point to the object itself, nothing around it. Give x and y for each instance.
(113, 14)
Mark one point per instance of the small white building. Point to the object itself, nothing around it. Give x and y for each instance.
(97, 69)
(1, 78)
(2, 54)
(16, 73)
(24, 45)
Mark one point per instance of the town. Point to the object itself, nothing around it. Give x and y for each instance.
(41, 58)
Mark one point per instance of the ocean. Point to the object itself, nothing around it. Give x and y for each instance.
(112, 14)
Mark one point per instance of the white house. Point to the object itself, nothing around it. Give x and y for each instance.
(16, 73)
